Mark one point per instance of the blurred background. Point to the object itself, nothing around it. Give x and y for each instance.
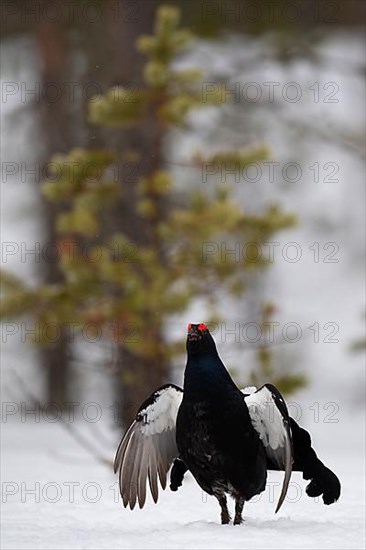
(263, 149)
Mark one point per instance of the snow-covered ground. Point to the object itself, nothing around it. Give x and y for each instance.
(54, 495)
(43, 458)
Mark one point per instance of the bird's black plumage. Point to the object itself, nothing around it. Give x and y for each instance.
(215, 437)
(228, 439)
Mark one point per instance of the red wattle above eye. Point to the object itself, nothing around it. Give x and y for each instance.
(189, 326)
(202, 326)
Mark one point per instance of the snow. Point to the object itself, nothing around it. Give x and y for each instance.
(41, 457)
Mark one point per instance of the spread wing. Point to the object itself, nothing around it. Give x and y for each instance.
(148, 447)
(270, 418)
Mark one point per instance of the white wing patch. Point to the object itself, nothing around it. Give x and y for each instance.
(269, 417)
(148, 447)
(249, 389)
(266, 418)
(162, 414)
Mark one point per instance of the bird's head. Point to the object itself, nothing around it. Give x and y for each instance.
(199, 339)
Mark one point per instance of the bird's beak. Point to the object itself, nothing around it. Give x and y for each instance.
(193, 332)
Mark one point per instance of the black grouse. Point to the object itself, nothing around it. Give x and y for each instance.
(226, 438)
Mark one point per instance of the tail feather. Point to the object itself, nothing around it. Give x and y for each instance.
(323, 481)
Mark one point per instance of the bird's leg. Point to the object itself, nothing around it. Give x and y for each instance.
(239, 505)
(225, 516)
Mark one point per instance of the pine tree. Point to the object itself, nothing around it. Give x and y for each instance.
(131, 288)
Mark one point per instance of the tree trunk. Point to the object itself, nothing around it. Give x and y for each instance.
(56, 134)
(112, 60)
(136, 377)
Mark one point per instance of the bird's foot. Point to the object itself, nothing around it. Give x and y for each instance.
(225, 518)
(238, 520)
(239, 505)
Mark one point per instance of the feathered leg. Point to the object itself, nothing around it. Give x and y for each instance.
(225, 516)
(239, 505)
(219, 493)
